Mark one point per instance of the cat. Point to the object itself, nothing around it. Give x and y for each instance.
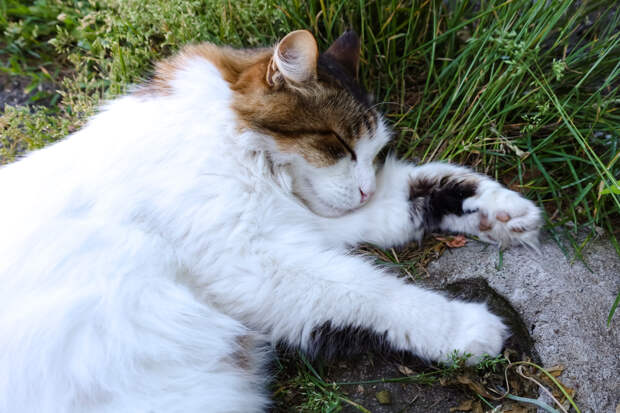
(148, 260)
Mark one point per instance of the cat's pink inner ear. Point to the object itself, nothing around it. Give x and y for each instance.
(346, 51)
(294, 58)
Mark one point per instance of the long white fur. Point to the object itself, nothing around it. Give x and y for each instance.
(136, 253)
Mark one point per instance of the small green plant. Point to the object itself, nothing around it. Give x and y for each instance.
(559, 67)
(614, 307)
(457, 362)
(493, 364)
(316, 394)
(319, 398)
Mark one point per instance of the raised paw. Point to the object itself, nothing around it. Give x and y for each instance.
(504, 217)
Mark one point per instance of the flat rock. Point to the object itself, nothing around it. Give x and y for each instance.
(564, 306)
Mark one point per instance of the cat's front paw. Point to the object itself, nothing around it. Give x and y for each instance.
(478, 333)
(504, 217)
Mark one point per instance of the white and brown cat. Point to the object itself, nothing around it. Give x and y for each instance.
(146, 259)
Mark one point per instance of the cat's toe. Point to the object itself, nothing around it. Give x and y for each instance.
(484, 224)
(502, 216)
(506, 218)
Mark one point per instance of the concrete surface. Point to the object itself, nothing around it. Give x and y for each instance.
(564, 307)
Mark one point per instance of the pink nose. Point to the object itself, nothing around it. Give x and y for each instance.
(365, 196)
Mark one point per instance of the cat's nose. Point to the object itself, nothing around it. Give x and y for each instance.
(365, 195)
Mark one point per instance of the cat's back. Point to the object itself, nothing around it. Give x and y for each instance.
(134, 157)
(139, 132)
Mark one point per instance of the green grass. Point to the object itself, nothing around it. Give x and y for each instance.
(527, 92)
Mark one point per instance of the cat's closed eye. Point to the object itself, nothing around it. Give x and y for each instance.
(347, 147)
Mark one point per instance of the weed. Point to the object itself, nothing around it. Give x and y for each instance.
(456, 363)
(493, 364)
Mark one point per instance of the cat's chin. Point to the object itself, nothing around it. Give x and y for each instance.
(332, 213)
(318, 205)
(323, 209)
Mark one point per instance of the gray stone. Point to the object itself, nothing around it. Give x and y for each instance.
(564, 306)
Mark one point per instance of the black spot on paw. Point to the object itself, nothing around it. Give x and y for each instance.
(433, 199)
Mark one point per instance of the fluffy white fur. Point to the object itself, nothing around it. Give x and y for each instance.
(140, 255)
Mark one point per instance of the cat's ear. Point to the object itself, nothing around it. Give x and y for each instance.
(346, 51)
(294, 59)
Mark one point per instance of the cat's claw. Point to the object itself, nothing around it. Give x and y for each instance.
(505, 217)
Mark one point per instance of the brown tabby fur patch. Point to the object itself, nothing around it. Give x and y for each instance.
(321, 119)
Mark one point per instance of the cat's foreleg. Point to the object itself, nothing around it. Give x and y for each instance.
(331, 296)
(411, 200)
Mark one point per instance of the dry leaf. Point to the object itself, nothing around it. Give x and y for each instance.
(618, 408)
(477, 408)
(514, 384)
(465, 406)
(555, 371)
(545, 380)
(475, 386)
(456, 241)
(405, 370)
(515, 408)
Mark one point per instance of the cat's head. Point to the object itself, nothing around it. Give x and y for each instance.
(318, 120)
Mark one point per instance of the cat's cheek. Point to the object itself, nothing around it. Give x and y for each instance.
(329, 192)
